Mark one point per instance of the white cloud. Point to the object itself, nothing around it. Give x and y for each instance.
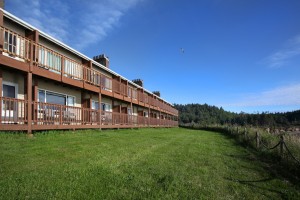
(77, 23)
(282, 96)
(282, 57)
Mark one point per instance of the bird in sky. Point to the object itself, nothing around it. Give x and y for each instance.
(182, 50)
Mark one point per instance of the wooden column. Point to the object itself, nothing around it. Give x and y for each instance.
(34, 36)
(29, 101)
(35, 97)
(62, 68)
(1, 33)
(149, 117)
(99, 109)
(1, 18)
(131, 115)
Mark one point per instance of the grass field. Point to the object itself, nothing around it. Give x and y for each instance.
(135, 164)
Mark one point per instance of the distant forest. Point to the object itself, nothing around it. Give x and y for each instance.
(204, 114)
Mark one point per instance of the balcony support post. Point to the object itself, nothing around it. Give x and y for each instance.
(62, 70)
(131, 114)
(1, 18)
(99, 110)
(35, 99)
(1, 34)
(29, 102)
(33, 36)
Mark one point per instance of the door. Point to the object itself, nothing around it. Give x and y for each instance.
(9, 104)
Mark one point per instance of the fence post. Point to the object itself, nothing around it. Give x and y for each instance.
(257, 140)
(281, 146)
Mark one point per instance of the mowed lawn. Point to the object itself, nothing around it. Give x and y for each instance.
(160, 163)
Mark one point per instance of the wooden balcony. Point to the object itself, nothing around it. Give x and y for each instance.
(46, 116)
(53, 65)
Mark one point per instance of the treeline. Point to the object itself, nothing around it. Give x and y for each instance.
(204, 114)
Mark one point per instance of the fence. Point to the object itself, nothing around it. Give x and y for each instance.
(276, 145)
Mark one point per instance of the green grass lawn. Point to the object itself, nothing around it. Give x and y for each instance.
(135, 164)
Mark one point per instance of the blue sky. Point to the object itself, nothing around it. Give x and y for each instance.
(243, 55)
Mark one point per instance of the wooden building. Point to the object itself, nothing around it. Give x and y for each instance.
(45, 84)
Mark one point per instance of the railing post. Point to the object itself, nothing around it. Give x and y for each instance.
(62, 70)
(61, 115)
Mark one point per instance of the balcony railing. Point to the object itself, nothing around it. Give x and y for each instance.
(46, 113)
(15, 45)
(19, 47)
(13, 111)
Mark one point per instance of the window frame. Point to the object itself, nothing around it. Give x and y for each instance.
(11, 84)
(66, 96)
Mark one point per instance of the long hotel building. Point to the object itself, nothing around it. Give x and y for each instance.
(45, 84)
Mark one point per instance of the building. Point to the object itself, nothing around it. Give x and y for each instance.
(45, 84)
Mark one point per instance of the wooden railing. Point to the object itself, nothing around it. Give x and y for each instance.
(47, 58)
(46, 113)
(13, 111)
(17, 46)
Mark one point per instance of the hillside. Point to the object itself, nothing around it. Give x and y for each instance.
(205, 115)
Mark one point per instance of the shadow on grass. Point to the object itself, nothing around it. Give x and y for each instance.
(261, 190)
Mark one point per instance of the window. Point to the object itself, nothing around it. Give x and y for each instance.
(14, 45)
(129, 111)
(56, 98)
(129, 92)
(49, 59)
(73, 69)
(106, 107)
(9, 91)
(134, 94)
(95, 105)
(106, 83)
(10, 42)
(145, 114)
(9, 107)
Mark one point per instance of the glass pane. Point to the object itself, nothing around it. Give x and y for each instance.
(95, 105)
(103, 106)
(55, 98)
(71, 101)
(41, 96)
(9, 91)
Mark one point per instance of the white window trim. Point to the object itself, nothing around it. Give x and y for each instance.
(11, 84)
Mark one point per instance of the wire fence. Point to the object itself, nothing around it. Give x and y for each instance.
(257, 140)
